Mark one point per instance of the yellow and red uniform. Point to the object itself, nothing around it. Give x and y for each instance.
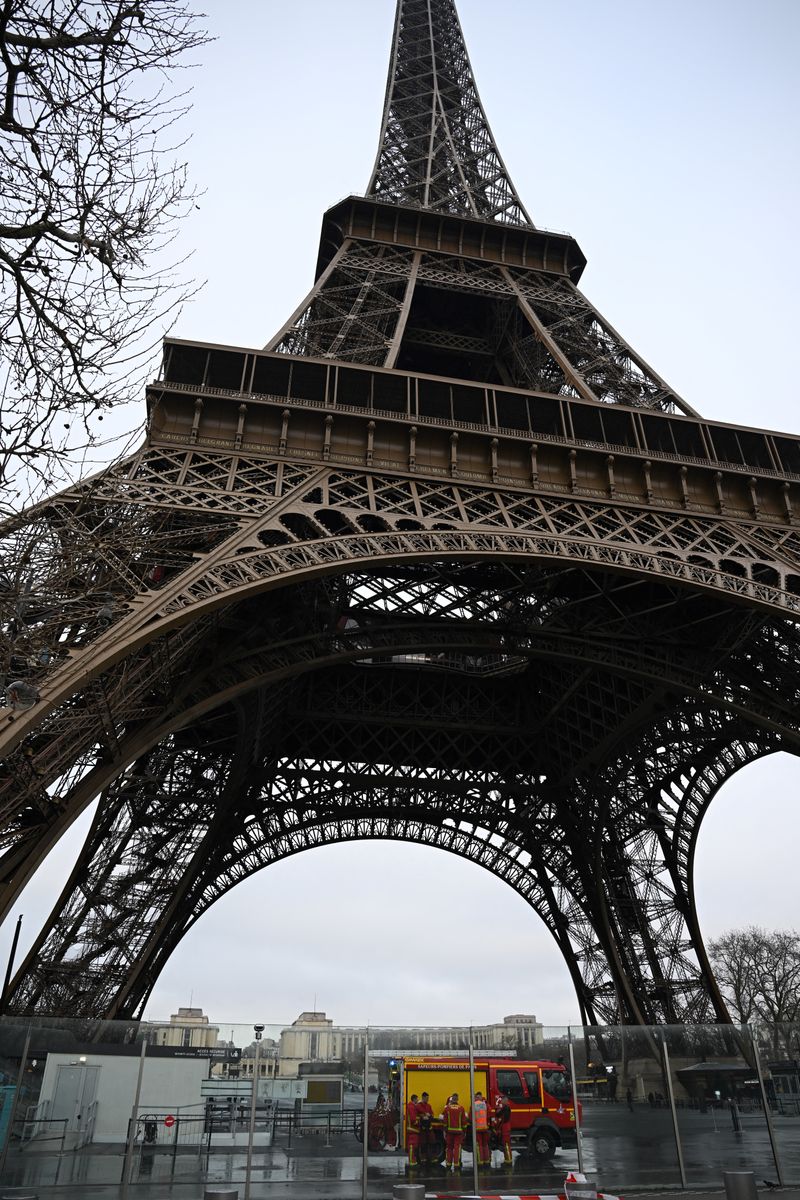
(502, 1125)
(412, 1133)
(455, 1124)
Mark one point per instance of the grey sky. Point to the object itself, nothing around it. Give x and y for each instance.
(664, 138)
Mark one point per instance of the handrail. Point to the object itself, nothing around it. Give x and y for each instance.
(86, 1131)
(479, 427)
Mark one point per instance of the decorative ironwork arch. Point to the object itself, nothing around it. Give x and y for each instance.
(650, 848)
(448, 518)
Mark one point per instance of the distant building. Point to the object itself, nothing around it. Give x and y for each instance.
(313, 1037)
(187, 1027)
(520, 1032)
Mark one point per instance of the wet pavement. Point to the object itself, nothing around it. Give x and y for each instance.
(628, 1153)
(261, 1191)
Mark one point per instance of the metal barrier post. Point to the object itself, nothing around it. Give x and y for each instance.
(365, 1124)
(575, 1107)
(259, 1029)
(402, 1137)
(739, 1185)
(472, 1120)
(676, 1130)
(61, 1152)
(736, 1119)
(408, 1191)
(767, 1113)
(127, 1165)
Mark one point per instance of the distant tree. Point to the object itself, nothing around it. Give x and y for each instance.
(90, 193)
(759, 974)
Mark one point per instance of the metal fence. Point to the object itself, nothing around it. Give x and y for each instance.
(99, 1104)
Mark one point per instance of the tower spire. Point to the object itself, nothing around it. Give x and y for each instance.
(440, 270)
(436, 148)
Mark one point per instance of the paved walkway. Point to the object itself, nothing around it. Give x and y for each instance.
(629, 1154)
(261, 1191)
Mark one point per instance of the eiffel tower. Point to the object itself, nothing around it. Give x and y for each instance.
(446, 562)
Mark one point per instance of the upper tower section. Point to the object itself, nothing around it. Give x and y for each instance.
(439, 270)
(436, 148)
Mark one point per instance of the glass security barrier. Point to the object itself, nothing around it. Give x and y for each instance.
(719, 1111)
(627, 1132)
(133, 1109)
(776, 1048)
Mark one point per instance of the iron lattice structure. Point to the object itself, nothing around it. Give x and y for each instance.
(446, 562)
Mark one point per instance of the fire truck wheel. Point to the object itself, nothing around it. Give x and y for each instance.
(542, 1143)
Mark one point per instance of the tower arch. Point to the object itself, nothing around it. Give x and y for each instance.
(447, 535)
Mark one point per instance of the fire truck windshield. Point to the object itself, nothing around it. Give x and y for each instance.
(557, 1084)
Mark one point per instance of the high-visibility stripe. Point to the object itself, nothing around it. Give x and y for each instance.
(481, 1109)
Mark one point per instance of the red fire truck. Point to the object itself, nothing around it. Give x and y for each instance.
(538, 1091)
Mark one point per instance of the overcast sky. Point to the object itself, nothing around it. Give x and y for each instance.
(663, 136)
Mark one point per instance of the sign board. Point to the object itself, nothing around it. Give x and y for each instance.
(578, 1187)
(215, 1053)
(220, 1053)
(222, 1089)
(276, 1090)
(169, 1121)
(279, 1090)
(580, 1191)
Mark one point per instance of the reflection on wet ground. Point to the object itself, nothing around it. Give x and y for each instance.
(625, 1150)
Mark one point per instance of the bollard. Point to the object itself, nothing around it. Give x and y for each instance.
(740, 1185)
(408, 1191)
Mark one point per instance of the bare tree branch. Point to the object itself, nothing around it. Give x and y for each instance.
(759, 974)
(93, 187)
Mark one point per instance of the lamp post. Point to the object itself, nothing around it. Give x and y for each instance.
(10, 967)
(258, 1030)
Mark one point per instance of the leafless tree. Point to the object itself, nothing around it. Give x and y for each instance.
(759, 974)
(92, 186)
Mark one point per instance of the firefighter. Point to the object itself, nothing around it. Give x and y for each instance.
(480, 1110)
(502, 1125)
(425, 1117)
(455, 1124)
(412, 1131)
